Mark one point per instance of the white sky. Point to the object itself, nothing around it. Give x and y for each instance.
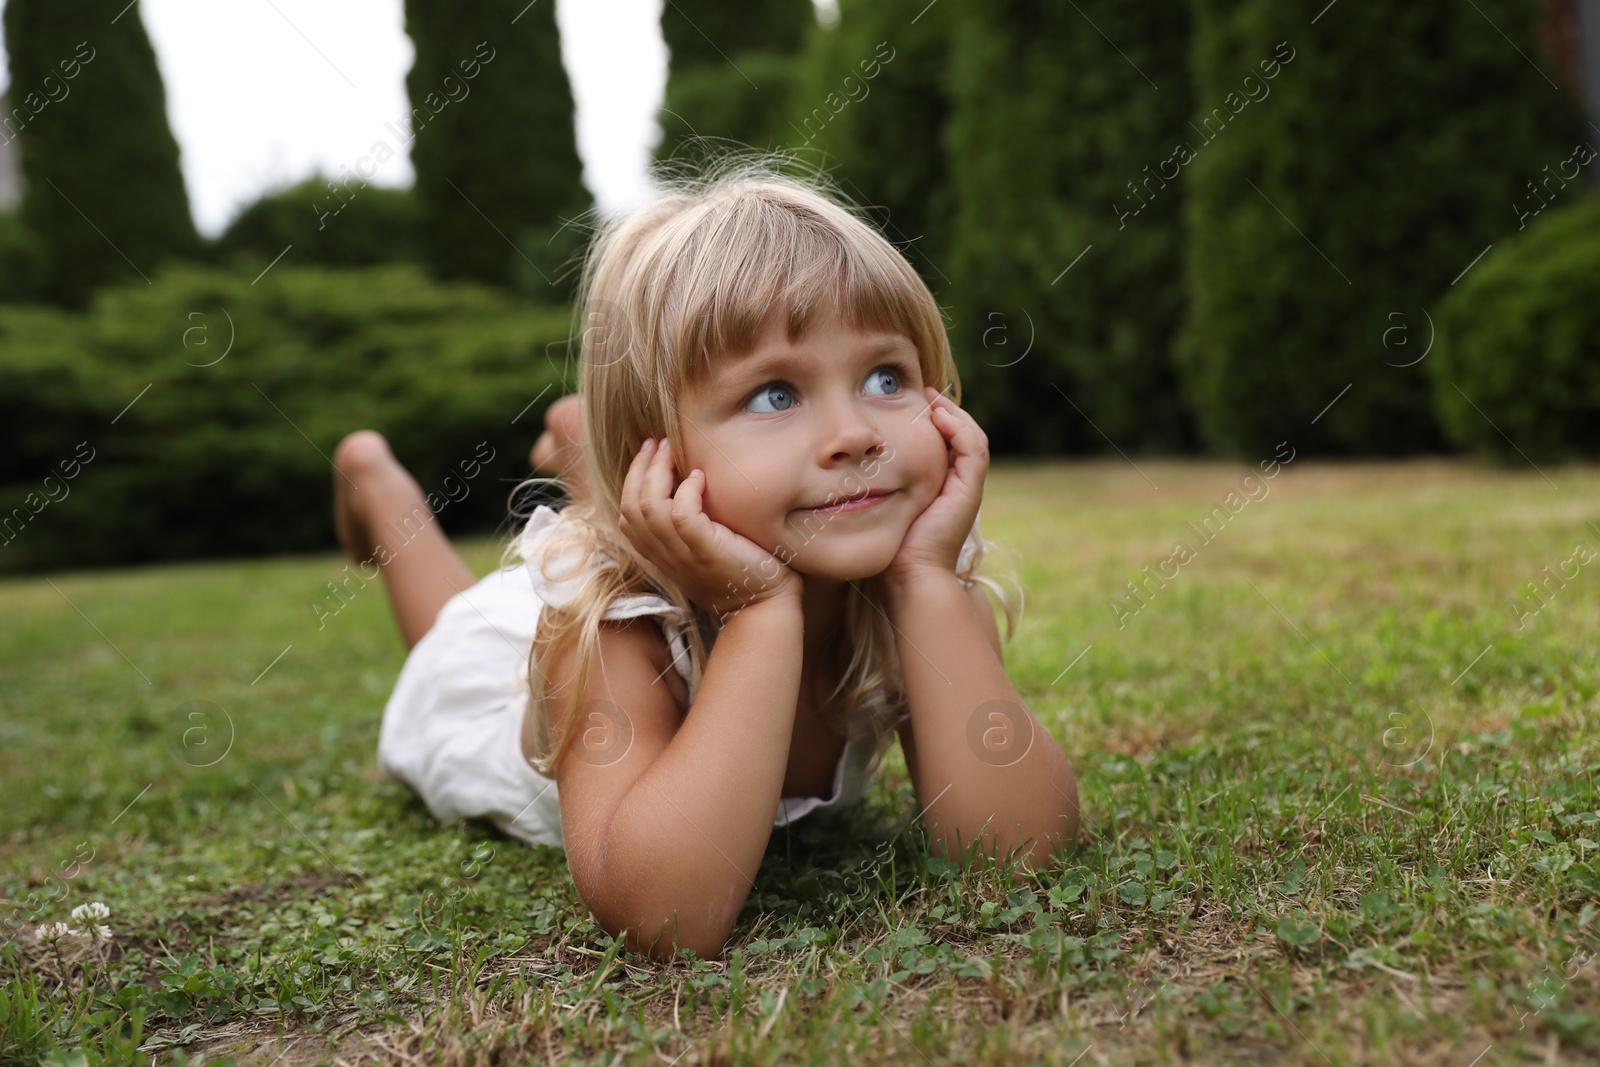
(260, 93)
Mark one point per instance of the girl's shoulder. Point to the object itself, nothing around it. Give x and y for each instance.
(560, 566)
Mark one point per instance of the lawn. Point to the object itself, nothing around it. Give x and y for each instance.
(1339, 808)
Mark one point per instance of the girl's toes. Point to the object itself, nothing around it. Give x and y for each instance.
(362, 451)
(562, 438)
(564, 417)
(542, 457)
(558, 452)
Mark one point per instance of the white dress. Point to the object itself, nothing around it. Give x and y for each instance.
(452, 728)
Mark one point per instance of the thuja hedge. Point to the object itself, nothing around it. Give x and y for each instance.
(1054, 143)
(491, 136)
(326, 223)
(102, 191)
(730, 71)
(1393, 148)
(1516, 364)
(871, 104)
(194, 417)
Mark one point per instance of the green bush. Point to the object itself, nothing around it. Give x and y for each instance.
(102, 190)
(1051, 129)
(250, 387)
(21, 260)
(1518, 345)
(1391, 151)
(352, 227)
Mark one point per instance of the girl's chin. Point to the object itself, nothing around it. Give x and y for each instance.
(852, 559)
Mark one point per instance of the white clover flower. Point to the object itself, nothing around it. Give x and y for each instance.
(102, 933)
(53, 932)
(96, 910)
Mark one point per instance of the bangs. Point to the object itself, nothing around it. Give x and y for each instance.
(773, 250)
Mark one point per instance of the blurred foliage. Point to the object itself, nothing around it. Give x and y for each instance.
(331, 227)
(1518, 348)
(101, 185)
(732, 69)
(21, 260)
(1357, 189)
(720, 104)
(1051, 128)
(494, 144)
(208, 406)
(703, 32)
(871, 104)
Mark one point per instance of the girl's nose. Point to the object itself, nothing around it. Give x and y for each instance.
(852, 440)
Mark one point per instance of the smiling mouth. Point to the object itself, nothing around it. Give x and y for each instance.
(859, 502)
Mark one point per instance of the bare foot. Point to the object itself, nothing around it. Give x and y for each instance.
(361, 455)
(559, 450)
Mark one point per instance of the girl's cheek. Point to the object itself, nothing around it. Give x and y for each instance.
(933, 453)
(728, 508)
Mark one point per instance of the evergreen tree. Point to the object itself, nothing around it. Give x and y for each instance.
(871, 104)
(1065, 309)
(1395, 146)
(102, 190)
(732, 68)
(494, 144)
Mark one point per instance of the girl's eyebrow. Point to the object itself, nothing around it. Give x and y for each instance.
(751, 370)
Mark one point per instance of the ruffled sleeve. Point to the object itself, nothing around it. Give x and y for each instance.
(558, 578)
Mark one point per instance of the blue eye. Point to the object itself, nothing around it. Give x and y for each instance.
(883, 382)
(770, 398)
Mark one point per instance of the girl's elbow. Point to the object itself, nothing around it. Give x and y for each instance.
(662, 938)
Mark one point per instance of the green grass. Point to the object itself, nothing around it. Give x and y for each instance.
(1312, 834)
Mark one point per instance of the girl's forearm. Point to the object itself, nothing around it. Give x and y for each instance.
(688, 838)
(1022, 790)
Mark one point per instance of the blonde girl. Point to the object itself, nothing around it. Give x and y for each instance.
(767, 572)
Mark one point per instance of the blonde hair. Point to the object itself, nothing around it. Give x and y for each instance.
(665, 292)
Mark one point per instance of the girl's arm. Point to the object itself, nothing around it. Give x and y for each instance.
(983, 767)
(664, 843)
(980, 763)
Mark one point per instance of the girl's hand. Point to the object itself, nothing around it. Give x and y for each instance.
(933, 543)
(718, 569)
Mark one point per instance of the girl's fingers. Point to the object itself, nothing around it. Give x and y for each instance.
(960, 428)
(967, 440)
(659, 499)
(668, 526)
(689, 518)
(627, 504)
(632, 505)
(655, 494)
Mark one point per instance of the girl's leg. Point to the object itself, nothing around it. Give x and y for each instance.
(378, 503)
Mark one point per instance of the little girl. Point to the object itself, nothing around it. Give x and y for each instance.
(767, 570)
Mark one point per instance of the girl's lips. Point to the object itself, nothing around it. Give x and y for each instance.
(859, 503)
